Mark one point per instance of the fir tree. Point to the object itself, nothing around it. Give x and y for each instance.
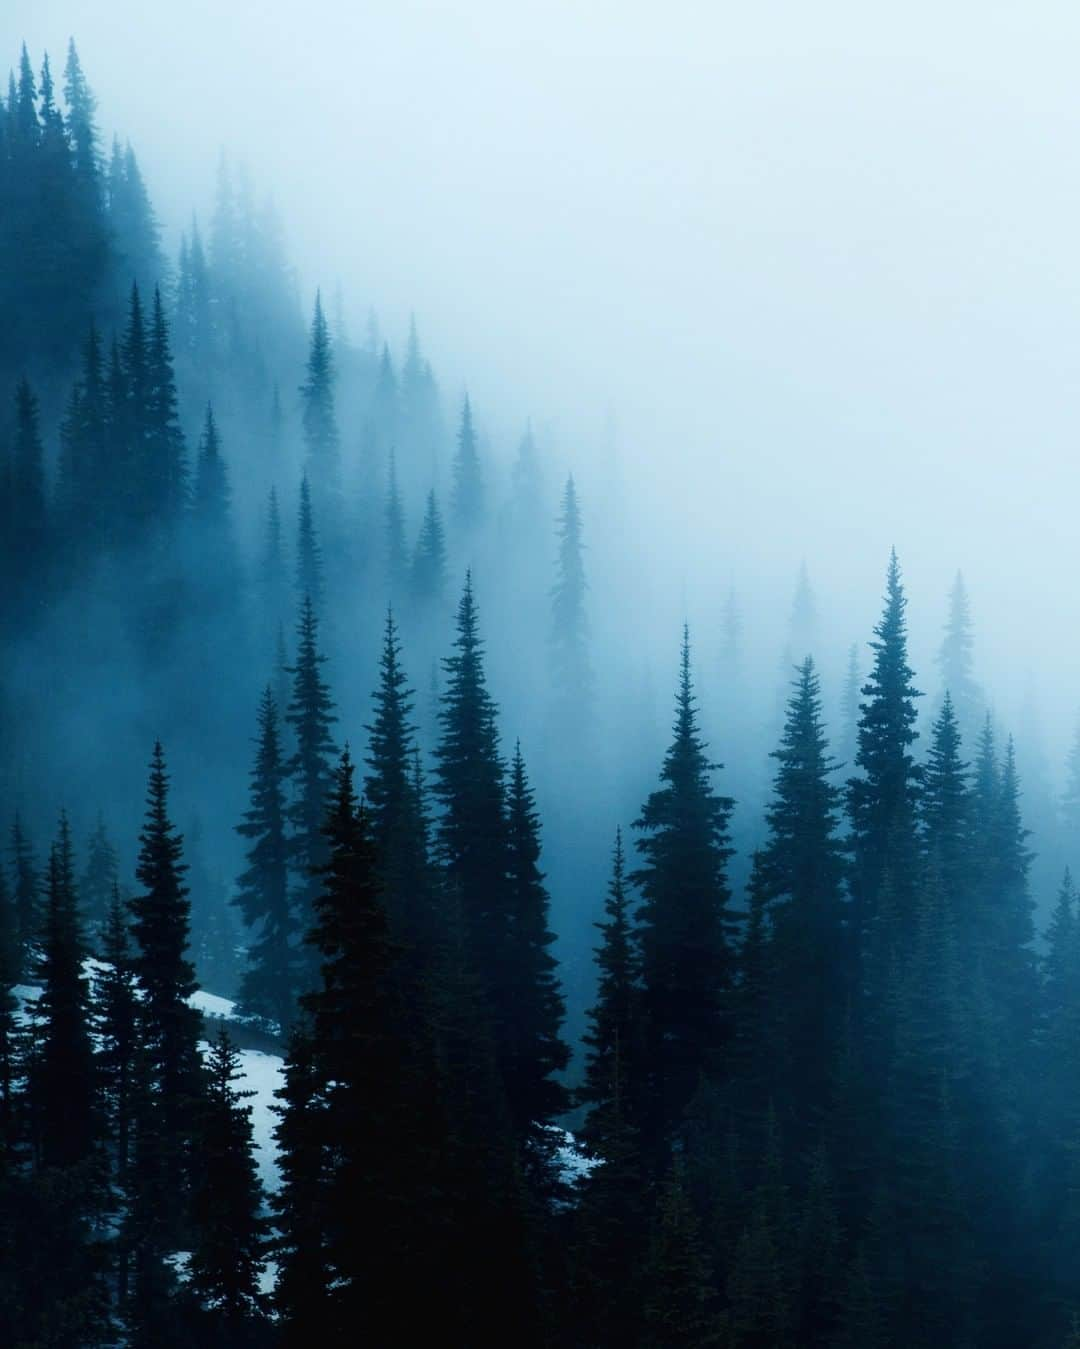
(882, 800)
(679, 1290)
(348, 1100)
(683, 930)
(395, 809)
(397, 559)
(27, 894)
(429, 560)
(526, 987)
(227, 1255)
(571, 674)
(272, 576)
(161, 921)
(471, 832)
(322, 456)
(801, 871)
(310, 714)
(946, 813)
(27, 545)
(309, 567)
(955, 660)
(98, 883)
(164, 471)
(116, 1011)
(468, 484)
(613, 1038)
(63, 1083)
(267, 986)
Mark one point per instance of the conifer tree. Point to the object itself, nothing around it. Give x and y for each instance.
(9, 1030)
(526, 986)
(133, 225)
(97, 883)
(679, 1292)
(85, 478)
(165, 470)
(116, 1011)
(63, 1076)
(395, 808)
(1070, 798)
(613, 1038)
(683, 929)
(309, 567)
(429, 560)
(267, 986)
(210, 499)
(352, 1104)
(956, 662)
(882, 800)
(803, 623)
(169, 1026)
(801, 872)
(471, 832)
(272, 576)
(468, 483)
(27, 546)
(227, 1254)
(397, 556)
(321, 442)
(310, 714)
(946, 814)
(571, 673)
(27, 894)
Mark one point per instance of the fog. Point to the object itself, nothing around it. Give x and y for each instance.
(818, 264)
(779, 284)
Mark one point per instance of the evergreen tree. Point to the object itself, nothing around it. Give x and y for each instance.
(956, 662)
(395, 808)
(683, 932)
(164, 471)
(468, 483)
(210, 499)
(272, 576)
(309, 568)
(63, 1076)
(27, 894)
(98, 883)
(803, 624)
(27, 544)
(679, 1292)
(471, 832)
(169, 1026)
(321, 443)
(946, 814)
(882, 800)
(429, 560)
(116, 1012)
(801, 871)
(227, 1254)
(310, 714)
(613, 1038)
(571, 674)
(526, 986)
(9, 1032)
(267, 986)
(397, 555)
(356, 1105)
(136, 234)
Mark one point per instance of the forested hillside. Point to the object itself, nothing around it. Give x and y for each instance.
(317, 695)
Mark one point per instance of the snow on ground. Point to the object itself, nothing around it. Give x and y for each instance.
(222, 1009)
(263, 1074)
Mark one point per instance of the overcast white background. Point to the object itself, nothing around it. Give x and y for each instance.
(820, 260)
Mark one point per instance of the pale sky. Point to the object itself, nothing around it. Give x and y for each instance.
(820, 260)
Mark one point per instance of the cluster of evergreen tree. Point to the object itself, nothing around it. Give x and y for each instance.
(828, 1089)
